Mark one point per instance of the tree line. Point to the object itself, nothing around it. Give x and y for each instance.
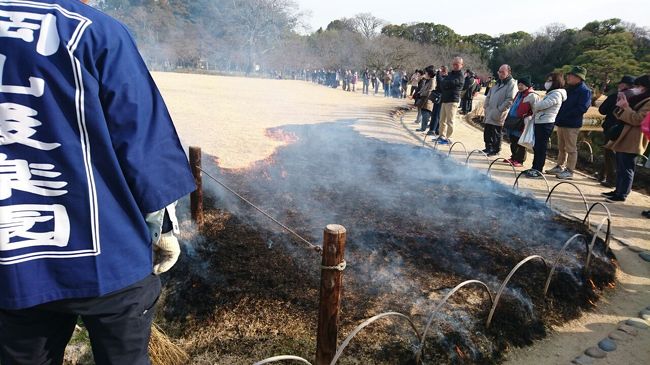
(268, 35)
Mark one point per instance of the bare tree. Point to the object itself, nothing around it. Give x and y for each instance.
(368, 25)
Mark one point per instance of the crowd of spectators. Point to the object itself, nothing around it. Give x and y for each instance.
(440, 93)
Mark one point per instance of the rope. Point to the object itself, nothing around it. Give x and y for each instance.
(309, 244)
(339, 267)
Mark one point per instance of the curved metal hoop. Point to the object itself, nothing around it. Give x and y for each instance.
(559, 255)
(516, 184)
(452, 147)
(435, 144)
(424, 142)
(609, 221)
(591, 150)
(367, 322)
(593, 239)
(442, 302)
(471, 153)
(505, 282)
(281, 358)
(502, 159)
(548, 198)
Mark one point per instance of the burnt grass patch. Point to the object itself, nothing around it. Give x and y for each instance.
(417, 225)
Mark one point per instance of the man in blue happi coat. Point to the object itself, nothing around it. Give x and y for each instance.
(90, 170)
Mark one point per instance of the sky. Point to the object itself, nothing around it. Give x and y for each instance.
(493, 17)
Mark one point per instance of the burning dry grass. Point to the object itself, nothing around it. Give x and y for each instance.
(249, 292)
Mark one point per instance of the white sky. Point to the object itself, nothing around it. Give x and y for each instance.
(493, 17)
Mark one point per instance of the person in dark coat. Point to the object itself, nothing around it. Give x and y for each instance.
(451, 86)
(607, 175)
(424, 101)
(437, 104)
(469, 86)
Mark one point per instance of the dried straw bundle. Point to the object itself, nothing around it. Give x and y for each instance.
(162, 351)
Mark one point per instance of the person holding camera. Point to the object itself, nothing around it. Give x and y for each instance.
(607, 176)
(631, 142)
(424, 101)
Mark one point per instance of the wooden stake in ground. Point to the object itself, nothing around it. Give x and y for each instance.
(196, 197)
(332, 267)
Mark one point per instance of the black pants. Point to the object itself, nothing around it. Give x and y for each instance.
(492, 137)
(119, 325)
(426, 117)
(542, 134)
(625, 167)
(608, 173)
(466, 105)
(518, 153)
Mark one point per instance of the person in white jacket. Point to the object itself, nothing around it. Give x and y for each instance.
(544, 113)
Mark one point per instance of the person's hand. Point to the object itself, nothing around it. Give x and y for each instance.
(621, 101)
(165, 253)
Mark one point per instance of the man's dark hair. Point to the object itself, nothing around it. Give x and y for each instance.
(430, 71)
(557, 80)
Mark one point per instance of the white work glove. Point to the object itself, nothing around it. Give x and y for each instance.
(165, 253)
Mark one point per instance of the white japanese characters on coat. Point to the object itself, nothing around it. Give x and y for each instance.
(28, 225)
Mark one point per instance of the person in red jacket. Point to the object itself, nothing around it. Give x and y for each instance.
(514, 122)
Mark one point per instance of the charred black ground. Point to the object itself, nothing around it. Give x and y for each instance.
(418, 224)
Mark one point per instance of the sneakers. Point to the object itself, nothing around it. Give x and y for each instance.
(554, 171)
(430, 133)
(419, 130)
(486, 151)
(646, 213)
(493, 153)
(609, 194)
(532, 174)
(565, 175)
(615, 199)
(443, 140)
(516, 163)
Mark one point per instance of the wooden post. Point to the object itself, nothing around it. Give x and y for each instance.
(331, 284)
(196, 198)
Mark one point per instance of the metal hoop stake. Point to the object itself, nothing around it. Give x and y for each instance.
(591, 150)
(516, 185)
(505, 282)
(502, 159)
(367, 322)
(609, 216)
(548, 198)
(452, 147)
(281, 358)
(559, 255)
(442, 302)
(593, 239)
(479, 151)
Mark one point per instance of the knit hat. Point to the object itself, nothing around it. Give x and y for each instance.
(627, 79)
(643, 81)
(579, 71)
(524, 80)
